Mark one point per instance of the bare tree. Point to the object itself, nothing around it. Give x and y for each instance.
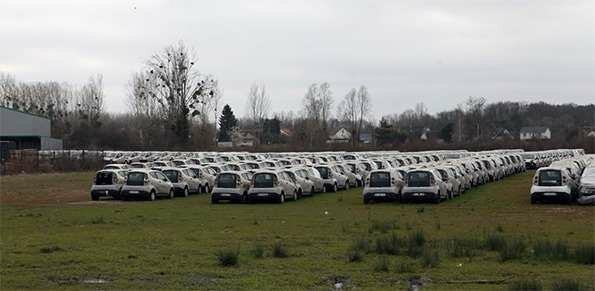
(173, 80)
(326, 101)
(259, 104)
(354, 110)
(365, 105)
(348, 112)
(89, 101)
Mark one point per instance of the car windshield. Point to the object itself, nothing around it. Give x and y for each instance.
(172, 175)
(351, 167)
(103, 178)
(226, 181)
(418, 179)
(178, 163)
(324, 172)
(136, 179)
(443, 174)
(380, 179)
(367, 166)
(550, 178)
(263, 180)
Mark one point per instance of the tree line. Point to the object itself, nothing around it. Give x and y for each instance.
(173, 105)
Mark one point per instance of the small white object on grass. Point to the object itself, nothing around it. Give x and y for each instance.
(325, 212)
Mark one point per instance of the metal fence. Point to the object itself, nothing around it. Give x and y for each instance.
(34, 161)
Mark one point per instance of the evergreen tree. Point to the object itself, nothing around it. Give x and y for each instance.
(227, 122)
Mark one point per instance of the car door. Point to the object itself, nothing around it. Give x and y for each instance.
(164, 183)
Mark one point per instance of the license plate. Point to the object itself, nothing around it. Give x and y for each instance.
(419, 194)
(225, 195)
(549, 194)
(106, 192)
(263, 195)
(133, 192)
(380, 194)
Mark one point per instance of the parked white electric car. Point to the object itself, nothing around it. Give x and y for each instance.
(147, 184)
(108, 183)
(424, 184)
(383, 185)
(230, 186)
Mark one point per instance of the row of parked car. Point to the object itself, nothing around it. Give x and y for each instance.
(565, 180)
(240, 176)
(441, 180)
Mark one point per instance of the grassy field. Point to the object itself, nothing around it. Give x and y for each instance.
(52, 237)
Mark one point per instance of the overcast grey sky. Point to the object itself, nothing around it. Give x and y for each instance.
(438, 52)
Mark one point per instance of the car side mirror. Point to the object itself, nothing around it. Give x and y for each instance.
(307, 178)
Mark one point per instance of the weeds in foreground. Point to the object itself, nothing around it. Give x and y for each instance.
(512, 250)
(525, 285)
(566, 285)
(258, 251)
(228, 257)
(279, 250)
(381, 264)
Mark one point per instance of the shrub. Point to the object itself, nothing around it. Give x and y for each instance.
(415, 244)
(585, 254)
(545, 249)
(362, 245)
(98, 220)
(258, 250)
(513, 249)
(566, 285)
(495, 242)
(525, 285)
(354, 256)
(279, 250)
(458, 248)
(49, 250)
(430, 258)
(405, 267)
(388, 244)
(382, 226)
(228, 257)
(381, 264)
(418, 238)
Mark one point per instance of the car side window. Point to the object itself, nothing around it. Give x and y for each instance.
(162, 176)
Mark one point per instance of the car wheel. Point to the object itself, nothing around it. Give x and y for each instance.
(335, 188)
(346, 185)
(152, 195)
(366, 201)
(437, 199)
(186, 192)
(295, 195)
(208, 189)
(281, 198)
(171, 193)
(312, 191)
